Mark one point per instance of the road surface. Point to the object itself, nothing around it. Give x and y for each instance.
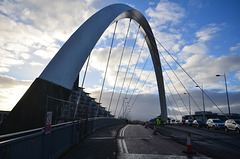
(135, 141)
(209, 142)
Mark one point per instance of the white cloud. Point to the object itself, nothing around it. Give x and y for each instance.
(35, 64)
(7, 59)
(31, 29)
(204, 68)
(189, 50)
(11, 90)
(237, 75)
(207, 33)
(235, 48)
(165, 12)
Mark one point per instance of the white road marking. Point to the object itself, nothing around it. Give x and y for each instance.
(122, 143)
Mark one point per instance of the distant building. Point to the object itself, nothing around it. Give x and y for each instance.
(208, 114)
(79, 106)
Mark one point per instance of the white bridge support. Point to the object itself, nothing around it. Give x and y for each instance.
(64, 68)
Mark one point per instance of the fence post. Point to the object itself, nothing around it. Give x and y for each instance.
(44, 155)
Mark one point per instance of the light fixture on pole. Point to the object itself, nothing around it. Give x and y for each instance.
(229, 112)
(202, 100)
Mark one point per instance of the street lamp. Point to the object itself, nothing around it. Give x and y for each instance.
(189, 103)
(226, 92)
(202, 100)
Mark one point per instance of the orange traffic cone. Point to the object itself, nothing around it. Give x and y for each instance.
(146, 125)
(154, 130)
(189, 146)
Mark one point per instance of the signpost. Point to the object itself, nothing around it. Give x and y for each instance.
(48, 122)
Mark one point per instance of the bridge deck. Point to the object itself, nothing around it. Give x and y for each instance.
(101, 144)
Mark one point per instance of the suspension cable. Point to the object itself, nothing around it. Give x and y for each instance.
(173, 97)
(123, 81)
(119, 67)
(139, 78)
(128, 67)
(174, 87)
(135, 66)
(177, 78)
(188, 75)
(141, 88)
(191, 79)
(182, 85)
(85, 70)
(171, 107)
(109, 55)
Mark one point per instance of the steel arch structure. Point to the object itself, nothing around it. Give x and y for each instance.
(67, 63)
(59, 77)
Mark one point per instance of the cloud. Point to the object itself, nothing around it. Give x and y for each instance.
(198, 48)
(7, 59)
(11, 90)
(196, 3)
(35, 64)
(165, 12)
(7, 82)
(198, 66)
(235, 48)
(237, 75)
(31, 29)
(206, 33)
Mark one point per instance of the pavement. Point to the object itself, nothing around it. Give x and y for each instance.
(99, 145)
(137, 142)
(127, 142)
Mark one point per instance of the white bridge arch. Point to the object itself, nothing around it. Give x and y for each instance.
(58, 78)
(64, 68)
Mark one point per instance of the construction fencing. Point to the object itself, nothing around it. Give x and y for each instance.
(66, 123)
(38, 144)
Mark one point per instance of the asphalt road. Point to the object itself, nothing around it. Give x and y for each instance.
(135, 141)
(209, 142)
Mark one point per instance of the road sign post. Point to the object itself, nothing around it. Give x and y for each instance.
(48, 122)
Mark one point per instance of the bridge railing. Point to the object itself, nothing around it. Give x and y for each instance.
(40, 145)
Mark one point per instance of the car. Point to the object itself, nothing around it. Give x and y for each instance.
(172, 121)
(182, 122)
(199, 123)
(177, 122)
(232, 124)
(215, 123)
(189, 122)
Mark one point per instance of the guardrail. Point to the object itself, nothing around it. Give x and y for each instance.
(40, 145)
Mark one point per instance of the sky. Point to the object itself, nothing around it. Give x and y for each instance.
(202, 35)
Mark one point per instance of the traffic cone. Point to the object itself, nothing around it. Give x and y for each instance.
(154, 130)
(146, 125)
(189, 146)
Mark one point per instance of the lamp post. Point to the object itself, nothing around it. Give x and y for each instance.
(189, 103)
(202, 100)
(229, 112)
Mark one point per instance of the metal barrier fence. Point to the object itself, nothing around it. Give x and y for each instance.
(40, 145)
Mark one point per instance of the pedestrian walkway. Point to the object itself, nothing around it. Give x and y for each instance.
(101, 145)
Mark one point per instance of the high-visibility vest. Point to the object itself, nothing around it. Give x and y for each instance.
(158, 121)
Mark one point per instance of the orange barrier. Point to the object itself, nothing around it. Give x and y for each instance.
(189, 145)
(154, 130)
(146, 126)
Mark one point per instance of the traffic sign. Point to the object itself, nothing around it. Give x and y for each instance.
(48, 122)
